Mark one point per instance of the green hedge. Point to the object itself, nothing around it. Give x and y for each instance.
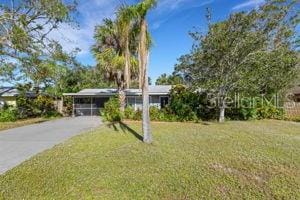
(186, 105)
(8, 115)
(111, 113)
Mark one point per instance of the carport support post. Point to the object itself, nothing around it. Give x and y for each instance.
(91, 106)
(73, 111)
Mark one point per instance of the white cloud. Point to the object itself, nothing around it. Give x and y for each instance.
(248, 4)
(204, 3)
(90, 13)
(168, 7)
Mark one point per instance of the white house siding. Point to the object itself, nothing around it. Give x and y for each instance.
(136, 102)
(155, 101)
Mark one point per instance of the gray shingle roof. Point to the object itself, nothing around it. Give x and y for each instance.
(8, 92)
(13, 92)
(155, 89)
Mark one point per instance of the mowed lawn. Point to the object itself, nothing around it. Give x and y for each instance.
(8, 125)
(235, 160)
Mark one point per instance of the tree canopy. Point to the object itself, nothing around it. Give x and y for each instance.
(26, 50)
(165, 79)
(251, 52)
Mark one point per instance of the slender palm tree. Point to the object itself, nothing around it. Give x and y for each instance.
(141, 10)
(109, 54)
(125, 26)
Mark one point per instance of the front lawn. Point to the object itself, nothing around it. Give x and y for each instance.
(8, 125)
(235, 160)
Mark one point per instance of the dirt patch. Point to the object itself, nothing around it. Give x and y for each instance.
(258, 179)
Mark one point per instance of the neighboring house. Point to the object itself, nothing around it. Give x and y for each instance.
(296, 93)
(8, 96)
(90, 101)
(292, 108)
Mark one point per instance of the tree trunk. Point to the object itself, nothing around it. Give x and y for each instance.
(143, 58)
(222, 111)
(122, 98)
(127, 75)
(146, 115)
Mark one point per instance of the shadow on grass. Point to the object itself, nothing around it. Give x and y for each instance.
(125, 128)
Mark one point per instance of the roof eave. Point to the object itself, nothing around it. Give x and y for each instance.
(111, 94)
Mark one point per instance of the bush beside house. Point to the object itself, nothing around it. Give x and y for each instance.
(186, 105)
(8, 114)
(28, 107)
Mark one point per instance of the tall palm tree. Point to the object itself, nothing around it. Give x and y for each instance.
(109, 54)
(143, 55)
(125, 25)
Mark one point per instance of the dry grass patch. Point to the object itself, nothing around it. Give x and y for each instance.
(8, 125)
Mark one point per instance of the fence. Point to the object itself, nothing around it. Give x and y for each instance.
(292, 109)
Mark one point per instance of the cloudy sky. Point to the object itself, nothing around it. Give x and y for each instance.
(169, 24)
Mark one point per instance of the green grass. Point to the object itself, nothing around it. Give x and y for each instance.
(235, 160)
(8, 125)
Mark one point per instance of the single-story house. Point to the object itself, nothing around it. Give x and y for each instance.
(90, 101)
(8, 96)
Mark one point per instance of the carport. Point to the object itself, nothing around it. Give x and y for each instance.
(89, 102)
(84, 106)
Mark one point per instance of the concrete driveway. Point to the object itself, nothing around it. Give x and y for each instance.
(19, 144)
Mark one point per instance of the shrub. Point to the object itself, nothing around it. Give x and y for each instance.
(295, 119)
(256, 110)
(68, 106)
(111, 111)
(8, 115)
(155, 113)
(270, 112)
(138, 115)
(186, 104)
(25, 105)
(44, 106)
(26, 108)
(129, 113)
(51, 114)
(164, 114)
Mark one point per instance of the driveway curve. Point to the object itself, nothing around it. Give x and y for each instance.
(20, 144)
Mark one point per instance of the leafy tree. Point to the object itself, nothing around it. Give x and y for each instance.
(25, 46)
(165, 79)
(249, 52)
(73, 79)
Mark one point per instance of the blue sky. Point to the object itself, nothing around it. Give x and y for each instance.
(169, 24)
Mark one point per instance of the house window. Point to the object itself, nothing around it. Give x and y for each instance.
(131, 101)
(164, 101)
(2, 103)
(139, 103)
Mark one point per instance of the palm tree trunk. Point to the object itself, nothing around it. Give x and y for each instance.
(127, 75)
(143, 58)
(146, 116)
(122, 97)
